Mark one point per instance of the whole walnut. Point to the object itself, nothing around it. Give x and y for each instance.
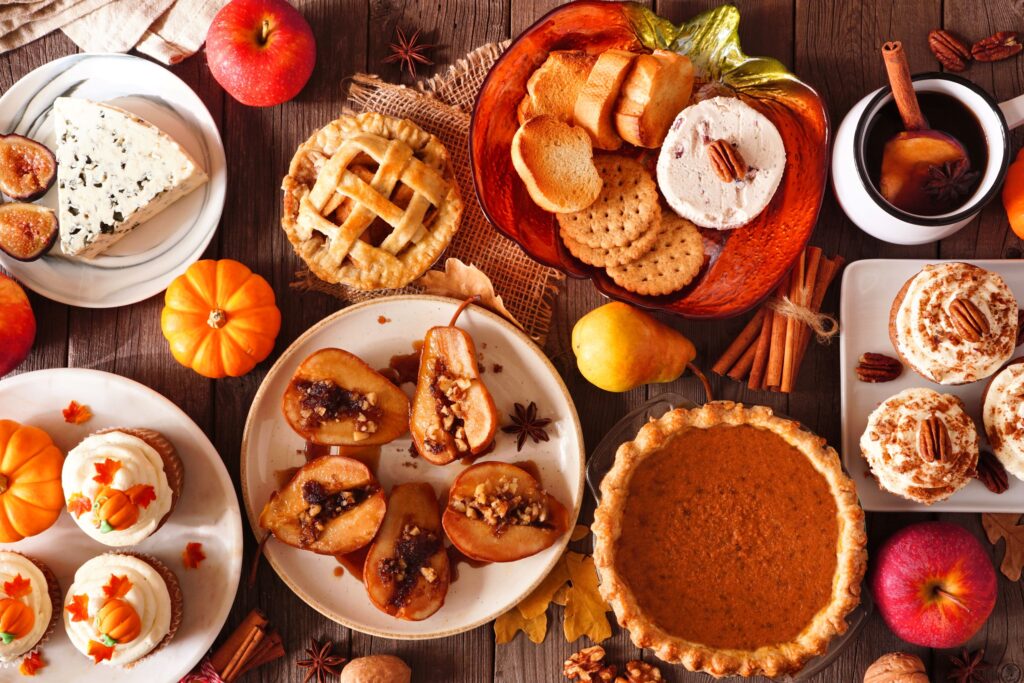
(897, 667)
(376, 669)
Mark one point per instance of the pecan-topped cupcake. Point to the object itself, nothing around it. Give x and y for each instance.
(1003, 415)
(921, 445)
(954, 323)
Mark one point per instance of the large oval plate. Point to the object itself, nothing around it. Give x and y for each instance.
(207, 513)
(745, 264)
(144, 262)
(375, 331)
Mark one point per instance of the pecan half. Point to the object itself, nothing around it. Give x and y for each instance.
(952, 53)
(968, 320)
(727, 161)
(878, 367)
(933, 442)
(1001, 45)
(991, 473)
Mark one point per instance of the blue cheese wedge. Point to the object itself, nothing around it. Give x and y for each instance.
(114, 172)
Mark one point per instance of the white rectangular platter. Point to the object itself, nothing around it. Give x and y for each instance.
(868, 290)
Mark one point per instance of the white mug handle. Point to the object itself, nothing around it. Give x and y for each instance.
(1013, 111)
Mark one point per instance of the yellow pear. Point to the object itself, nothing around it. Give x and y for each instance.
(619, 347)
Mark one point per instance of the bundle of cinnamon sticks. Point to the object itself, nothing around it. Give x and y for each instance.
(768, 352)
(251, 645)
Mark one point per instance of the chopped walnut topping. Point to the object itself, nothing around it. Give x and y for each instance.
(413, 552)
(323, 400)
(448, 392)
(502, 506)
(325, 506)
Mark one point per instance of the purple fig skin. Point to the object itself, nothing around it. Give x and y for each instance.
(16, 158)
(8, 234)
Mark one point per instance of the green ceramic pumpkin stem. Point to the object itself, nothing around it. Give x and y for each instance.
(6, 637)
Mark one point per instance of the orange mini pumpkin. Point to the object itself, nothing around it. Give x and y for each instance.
(118, 621)
(116, 510)
(31, 497)
(16, 619)
(220, 318)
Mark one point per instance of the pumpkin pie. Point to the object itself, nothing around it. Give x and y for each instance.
(730, 540)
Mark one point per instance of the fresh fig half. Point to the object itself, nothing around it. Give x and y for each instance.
(27, 168)
(27, 231)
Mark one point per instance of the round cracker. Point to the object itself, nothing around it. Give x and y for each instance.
(673, 262)
(603, 257)
(626, 209)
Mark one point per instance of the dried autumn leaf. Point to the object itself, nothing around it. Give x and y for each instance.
(579, 533)
(561, 595)
(584, 609)
(1005, 526)
(192, 555)
(536, 603)
(512, 622)
(31, 664)
(76, 413)
(106, 470)
(17, 587)
(141, 494)
(117, 586)
(462, 281)
(79, 607)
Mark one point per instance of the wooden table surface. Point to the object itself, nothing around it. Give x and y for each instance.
(833, 44)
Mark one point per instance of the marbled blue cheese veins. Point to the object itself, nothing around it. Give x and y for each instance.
(114, 172)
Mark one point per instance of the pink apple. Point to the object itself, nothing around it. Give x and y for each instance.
(17, 325)
(934, 584)
(261, 51)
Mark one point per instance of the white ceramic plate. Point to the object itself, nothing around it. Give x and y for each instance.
(869, 288)
(375, 331)
(206, 513)
(143, 263)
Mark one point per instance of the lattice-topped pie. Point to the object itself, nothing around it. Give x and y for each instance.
(370, 201)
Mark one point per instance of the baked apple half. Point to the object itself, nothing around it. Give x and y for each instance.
(335, 398)
(453, 414)
(498, 512)
(406, 571)
(332, 505)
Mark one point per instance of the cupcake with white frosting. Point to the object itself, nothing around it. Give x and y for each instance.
(921, 445)
(954, 323)
(121, 485)
(1003, 415)
(29, 596)
(122, 608)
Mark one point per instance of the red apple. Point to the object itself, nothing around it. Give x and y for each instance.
(261, 51)
(934, 584)
(17, 325)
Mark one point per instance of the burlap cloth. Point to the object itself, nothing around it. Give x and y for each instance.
(442, 105)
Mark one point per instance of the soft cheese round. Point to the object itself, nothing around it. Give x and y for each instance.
(890, 445)
(926, 335)
(148, 596)
(13, 565)
(689, 182)
(1003, 415)
(138, 465)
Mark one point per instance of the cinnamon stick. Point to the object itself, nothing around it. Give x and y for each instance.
(903, 86)
(271, 648)
(242, 655)
(796, 288)
(777, 349)
(739, 345)
(761, 355)
(743, 365)
(226, 652)
(830, 268)
(803, 296)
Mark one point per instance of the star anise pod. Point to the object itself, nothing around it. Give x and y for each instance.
(951, 180)
(968, 667)
(320, 662)
(408, 52)
(526, 424)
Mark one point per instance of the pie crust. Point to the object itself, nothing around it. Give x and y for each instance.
(771, 659)
(362, 176)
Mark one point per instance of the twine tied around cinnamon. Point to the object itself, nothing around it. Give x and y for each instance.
(824, 326)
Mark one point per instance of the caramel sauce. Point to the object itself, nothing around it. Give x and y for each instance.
(457, 557)
(339, 571)
(470, 458)
(353, 562)
(404, 367)
(383, 320)
(312, 451)
(284, 476)
(368, 455)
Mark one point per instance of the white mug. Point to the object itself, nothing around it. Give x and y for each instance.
(862, 201)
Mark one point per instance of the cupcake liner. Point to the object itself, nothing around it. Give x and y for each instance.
(177, 600)
(56, 607)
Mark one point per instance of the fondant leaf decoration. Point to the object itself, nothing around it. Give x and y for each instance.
(117, 587)
(105, 471)
(98, 651)
(76, 413)
(17, 587)
(31, 664)
(584, 608)
(141, 494)
(193, 555)
(78, 608)
(78, 504)
(512, 622)
(1006, 527)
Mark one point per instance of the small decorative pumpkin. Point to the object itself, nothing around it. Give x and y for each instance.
(220, 318)
(115, 509)
(31, 497)
(16, 619)
(118, 621)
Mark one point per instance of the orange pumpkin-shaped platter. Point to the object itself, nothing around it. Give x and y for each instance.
(31, 496)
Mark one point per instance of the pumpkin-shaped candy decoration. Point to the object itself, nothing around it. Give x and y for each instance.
(16, 619)
(115, 510)
(117, 622)
(220, 318)
(31, 497)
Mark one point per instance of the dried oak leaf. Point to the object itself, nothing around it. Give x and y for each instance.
(76, 413)
(512, 622)
(462, 281)
(579, 533)
(561, 596)
(31, 664)
(585, 610)
(537, 602)
(192, 555)
(1005, 526)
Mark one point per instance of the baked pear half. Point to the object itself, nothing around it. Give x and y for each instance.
(332, 505)
(498, 512)
(406, 571)
(337, 399)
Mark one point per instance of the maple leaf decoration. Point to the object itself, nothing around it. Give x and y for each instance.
(117, 587)
(78, 608)
(1005, 526)
(968, 667)
(407, 51)
(17, 587)
(193, 555)
(320, 663)
(76, 413)
(141, 494)
(526, 424)
(98, 651)
(78, 504)
(31, 664)
(951, 180)
(105, 471)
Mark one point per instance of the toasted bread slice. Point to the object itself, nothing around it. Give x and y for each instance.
(556, 162)
(655, 91)
(596, 102)
(553, 88)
